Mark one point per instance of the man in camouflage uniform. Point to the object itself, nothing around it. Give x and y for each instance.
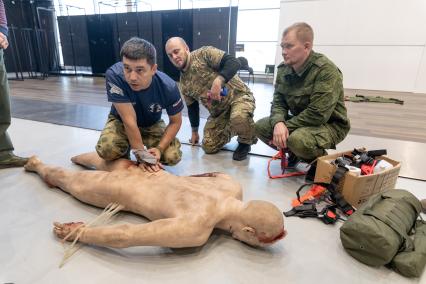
(138, 93)
(308, 114)
(208, 75)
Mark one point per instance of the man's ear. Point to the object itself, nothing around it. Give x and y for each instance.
(154, 68)
(308, 45)
(249, 230)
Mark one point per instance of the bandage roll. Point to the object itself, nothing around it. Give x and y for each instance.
(381, 166)
(354, 170)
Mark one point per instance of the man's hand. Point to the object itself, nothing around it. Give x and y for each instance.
(195, 138)
(280, 135)
(150, 167)
(3, 41)
(217, 88)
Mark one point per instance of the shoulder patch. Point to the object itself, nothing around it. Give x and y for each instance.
(114, 89)
(321, 60)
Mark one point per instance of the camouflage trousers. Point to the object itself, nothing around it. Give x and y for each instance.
(5, 142)
(307, 143)
(236, 120)
(113, 143)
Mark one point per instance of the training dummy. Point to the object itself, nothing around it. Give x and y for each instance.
(183, 210)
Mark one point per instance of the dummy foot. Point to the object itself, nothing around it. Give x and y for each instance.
(31, 165)
(67, 230)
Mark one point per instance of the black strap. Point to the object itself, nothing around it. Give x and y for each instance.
(304, 210)
(336, 196)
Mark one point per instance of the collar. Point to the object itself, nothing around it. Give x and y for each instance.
(308, 63)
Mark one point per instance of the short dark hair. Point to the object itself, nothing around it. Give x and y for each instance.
(137, 48)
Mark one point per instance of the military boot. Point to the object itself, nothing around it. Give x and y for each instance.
(10, 160)
(241, 152)
(292, 159)
(310, 174)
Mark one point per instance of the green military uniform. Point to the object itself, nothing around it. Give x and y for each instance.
(113, 142)
(231, 116)
(311, 104)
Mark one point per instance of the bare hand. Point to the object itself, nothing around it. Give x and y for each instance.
(216, 88)
(195, 138)
(4, 43)
(280, 135)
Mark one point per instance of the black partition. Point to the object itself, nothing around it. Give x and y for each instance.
(99, 31)
(175, 23)
(100, 37)
(74, 40)
(33, 46)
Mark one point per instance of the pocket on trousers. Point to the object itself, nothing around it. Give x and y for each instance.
(324, 139)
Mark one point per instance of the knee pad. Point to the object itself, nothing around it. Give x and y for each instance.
(109, 153)
(171, 158)
(210, 149)
(240, 123)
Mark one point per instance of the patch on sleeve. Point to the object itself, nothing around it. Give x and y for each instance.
(114, 89)
(177, 103)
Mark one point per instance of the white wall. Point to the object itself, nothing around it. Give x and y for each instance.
(378, 44)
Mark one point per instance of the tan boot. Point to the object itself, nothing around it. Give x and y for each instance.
(10, 160)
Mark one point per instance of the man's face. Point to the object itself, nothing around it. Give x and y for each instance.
(294, 51)
(177, 53)
(138, 73)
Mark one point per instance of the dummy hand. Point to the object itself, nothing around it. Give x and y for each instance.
(280, 135)
(195, 138)
(150, 167)
(3, 41)
(216, 88)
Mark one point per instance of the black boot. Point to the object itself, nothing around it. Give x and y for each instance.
(310, 174)
(241, 152)
(292, 160)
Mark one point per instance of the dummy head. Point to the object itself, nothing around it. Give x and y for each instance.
(262, 224)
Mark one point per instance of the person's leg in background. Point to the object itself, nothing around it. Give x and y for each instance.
(7, 158)
(242, 124)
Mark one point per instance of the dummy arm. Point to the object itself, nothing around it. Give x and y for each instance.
(172, 232)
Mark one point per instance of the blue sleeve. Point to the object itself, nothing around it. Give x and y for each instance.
(115, 88)
(175, 104)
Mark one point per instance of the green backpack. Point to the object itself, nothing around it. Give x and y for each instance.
(385, 231)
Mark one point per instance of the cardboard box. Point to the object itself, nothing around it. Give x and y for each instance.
(357, 189)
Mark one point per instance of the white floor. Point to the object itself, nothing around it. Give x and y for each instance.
(29, 253)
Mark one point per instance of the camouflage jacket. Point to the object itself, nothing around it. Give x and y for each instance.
(197, 80)
(312, 97)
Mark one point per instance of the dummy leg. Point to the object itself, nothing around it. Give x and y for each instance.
(92, 187)
(92, 160)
